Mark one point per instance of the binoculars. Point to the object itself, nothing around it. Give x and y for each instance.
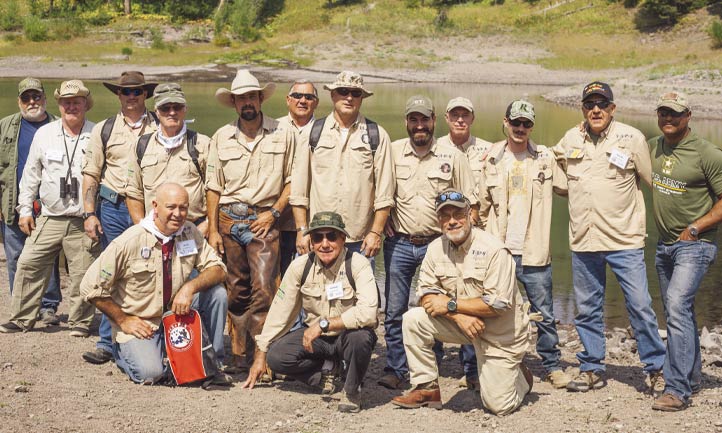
(69, 188)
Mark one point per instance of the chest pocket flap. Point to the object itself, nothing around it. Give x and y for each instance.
(437, 174)
(313, 290)
(229, 152)
(149, 160)
(273, 147)
(403, 171)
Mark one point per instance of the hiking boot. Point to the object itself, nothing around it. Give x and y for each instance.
(527, 376)
(559, 379)
(350, 403)
(470, 382)
(97, 356)
(669, 403)
(390, 381)
(420, 397)
(11, 328)
(656, 384)
(79, 332)
(49, 318)
(328, 384)
(220, 379)
(585, 381)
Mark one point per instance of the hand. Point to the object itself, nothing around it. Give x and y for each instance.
(27, 224)
(257, 370)
(137, 327)
(93, 228)
(471, 326)
(389, 229)
(437, 305)
(216, 242)
(203, 228)
(262, 225)
(687, 236)
(310, 335)
(182, 300)
(371, 244)
(303, 243)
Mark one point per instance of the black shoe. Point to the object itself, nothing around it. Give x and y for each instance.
(11, 328)
(98, 356)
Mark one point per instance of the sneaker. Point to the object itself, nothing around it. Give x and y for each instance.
(585, 381)
(390, 381)
(669, 403)
(470, 382)
(77, 331)
(559, 379)
(350, 403)
(656, 384)
(11, 328)
(420, 397)
(97, 356)
(328, 384)
(49, 318)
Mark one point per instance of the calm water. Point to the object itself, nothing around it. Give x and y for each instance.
(386, 107)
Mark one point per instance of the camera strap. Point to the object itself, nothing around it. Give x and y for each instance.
(70, 157)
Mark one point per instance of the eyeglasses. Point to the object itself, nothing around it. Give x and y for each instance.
(128, 91)
(168, 107)
(317, 237)
(26, 97)
(343, 91)
(528, 124)
(602, 104)
(453, 196)
(664, 112)
(308, 96)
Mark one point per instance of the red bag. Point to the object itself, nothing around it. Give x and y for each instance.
(190, 353)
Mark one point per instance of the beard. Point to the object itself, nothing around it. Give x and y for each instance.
(459, 236)
(418, 141)
(249, 113)
(33, 115)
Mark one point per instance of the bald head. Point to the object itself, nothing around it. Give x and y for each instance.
(170, 207)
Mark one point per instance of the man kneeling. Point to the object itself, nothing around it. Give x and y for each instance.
(338, 292)
(468, 295)
(145, 272)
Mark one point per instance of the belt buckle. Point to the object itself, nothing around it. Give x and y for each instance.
(240, 209)
(417, 240)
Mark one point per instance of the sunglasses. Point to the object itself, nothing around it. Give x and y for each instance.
(26, 97)
(603, 104)
(317, 237)
(168, 107)
(343, 91)
(663, 112)
(308, 96)
(528, 124)
(453, 196)
(125, 91)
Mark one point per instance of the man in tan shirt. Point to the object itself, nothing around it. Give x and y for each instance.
(249, 170)
(603, 163)
(336, 288)
(105, 175)
(424, 168)
(173, 153)
(145, 272)
(345, 168)
(468, 295)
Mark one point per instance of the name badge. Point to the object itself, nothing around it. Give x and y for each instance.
(334, 291)
(618, 158)
(186, 248)
(54, 155)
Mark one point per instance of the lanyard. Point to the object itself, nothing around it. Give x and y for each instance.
(67, 154)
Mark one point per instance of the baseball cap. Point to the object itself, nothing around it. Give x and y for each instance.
(326, 219)
(676, 101)
(520, 108)
(167, 93)
(30, 83)
(460, 101)
(597, 88)
(451, 198)
(419, 104)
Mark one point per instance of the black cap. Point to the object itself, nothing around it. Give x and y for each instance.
(597, 88)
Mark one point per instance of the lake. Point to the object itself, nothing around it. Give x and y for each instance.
(387, 106)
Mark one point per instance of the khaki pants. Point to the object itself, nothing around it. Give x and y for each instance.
(503, 386)
(35, 265)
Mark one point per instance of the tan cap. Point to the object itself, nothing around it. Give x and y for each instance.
(460, 101)
(349, 80)
(168, 93)
(676, 101)
(419, 104)
(30, 83)
(73, 88)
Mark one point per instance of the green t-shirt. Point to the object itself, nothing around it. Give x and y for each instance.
(686, 181)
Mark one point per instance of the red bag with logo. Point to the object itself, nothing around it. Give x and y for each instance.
(189, 350)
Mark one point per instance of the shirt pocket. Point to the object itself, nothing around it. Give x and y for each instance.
(615, 172)
(142, 277)
(322, 157)
(447, 276)
(439, 180)
(492, 181)
(346, 301)
(150, 171)
(575, 166)
(474, 281)
(404, 181)
(272, 157)
(233, 160)
(361, 155)
(312, 298)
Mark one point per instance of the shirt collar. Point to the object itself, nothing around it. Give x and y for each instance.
(410, 150)
(148, 223)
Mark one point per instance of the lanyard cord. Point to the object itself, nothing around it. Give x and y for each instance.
(70, 157)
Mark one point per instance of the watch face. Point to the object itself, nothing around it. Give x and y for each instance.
(451, 306)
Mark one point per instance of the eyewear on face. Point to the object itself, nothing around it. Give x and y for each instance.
(602, 104)
(528, 124)
(455, 196)
(308, 96)
(356, 93)
(676, 114)
(167, 108)
(26, 97)
(135, 92)
(457, 215)
(317, 237)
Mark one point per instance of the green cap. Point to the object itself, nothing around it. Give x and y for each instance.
(520, 108)
(676, 101)
(167, 93)
(419, 104)
(323, 220)
(30, 84)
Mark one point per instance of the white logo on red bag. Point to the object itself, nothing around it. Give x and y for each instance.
(181, 337)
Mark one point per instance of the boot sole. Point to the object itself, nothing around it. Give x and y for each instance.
(430, 404)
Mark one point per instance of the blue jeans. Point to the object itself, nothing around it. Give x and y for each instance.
(142, 360)
(590, 278)
(115, 219)
(14, 241)
(537, 282)
(356, 248)
(681, 267)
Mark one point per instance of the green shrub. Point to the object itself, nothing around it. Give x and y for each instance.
(97, 17)
(156, 39)
(715, 31)
(10, 16)
(35, 29)
(126, 51)
(221, 40)
(665, 12)
(66, 28)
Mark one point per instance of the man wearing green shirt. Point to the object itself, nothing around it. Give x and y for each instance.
(686, 191)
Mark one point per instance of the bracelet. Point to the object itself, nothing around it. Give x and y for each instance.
(302, 228)
(376, 233)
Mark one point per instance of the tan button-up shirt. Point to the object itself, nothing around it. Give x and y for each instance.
(48, 162)
(158, 166)
(344, 177)
(540, 174)
(420, 180)
(117, 152)
(476, 151)
(357, 308)
(135, 282)
(286, 222)
(606, 206)
(255, 177)
(480, 268)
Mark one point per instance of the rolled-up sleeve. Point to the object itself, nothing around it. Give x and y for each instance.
(215, 179)
(94, 157)
(101, 275)
(385, 186)
(500, 281)
(134, 189)
(285, 306)
(363, 313)
(301, 173)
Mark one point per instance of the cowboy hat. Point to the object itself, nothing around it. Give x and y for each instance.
(243, 83)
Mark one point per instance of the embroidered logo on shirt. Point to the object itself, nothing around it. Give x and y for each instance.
(668, 165)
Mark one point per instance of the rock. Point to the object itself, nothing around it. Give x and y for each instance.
(108, 373)
(563, 337)
(7, 365)
(21, 388)
(486, 417)
(618, 427)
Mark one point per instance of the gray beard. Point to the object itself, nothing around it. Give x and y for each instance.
(33, 117)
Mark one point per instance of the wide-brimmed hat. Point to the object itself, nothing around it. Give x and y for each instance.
(243, 83)
(349, 80)
(168, 93)
(131, 79)
(676, 101)
(73, 88)
(326, 219)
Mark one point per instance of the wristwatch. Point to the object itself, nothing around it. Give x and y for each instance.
(276, 214)
(324, 324)
(301, 229)
(87, 215)
(451, 305)
(693, 231)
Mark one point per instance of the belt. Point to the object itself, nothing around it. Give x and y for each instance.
(417, 239)
(242, 209)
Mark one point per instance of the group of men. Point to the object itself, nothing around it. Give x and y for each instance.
(154, 217)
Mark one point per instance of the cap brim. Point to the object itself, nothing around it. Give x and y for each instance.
(423, 111)
(596, 92)
(225, 96)
(454, 203)
(171, 100)
(365, 93)
(149, 87)
(673, 106)
(309, 230)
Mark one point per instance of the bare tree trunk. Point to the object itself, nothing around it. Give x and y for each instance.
(126, 6)
(220, 5)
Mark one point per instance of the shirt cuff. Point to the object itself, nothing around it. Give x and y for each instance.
(383, 203)
(298, 201)
(497, 303)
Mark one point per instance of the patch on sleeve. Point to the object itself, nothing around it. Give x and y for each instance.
(280, 293)
(106, 272)
(210, 168)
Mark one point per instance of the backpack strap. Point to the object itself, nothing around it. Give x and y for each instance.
(154, 116)
(191, 139)
(307, 268)
(316, 133)
(373, 131)
(142, 145)
(349, 274)
(106, 131)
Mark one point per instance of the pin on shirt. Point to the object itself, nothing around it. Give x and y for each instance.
(145, 253)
